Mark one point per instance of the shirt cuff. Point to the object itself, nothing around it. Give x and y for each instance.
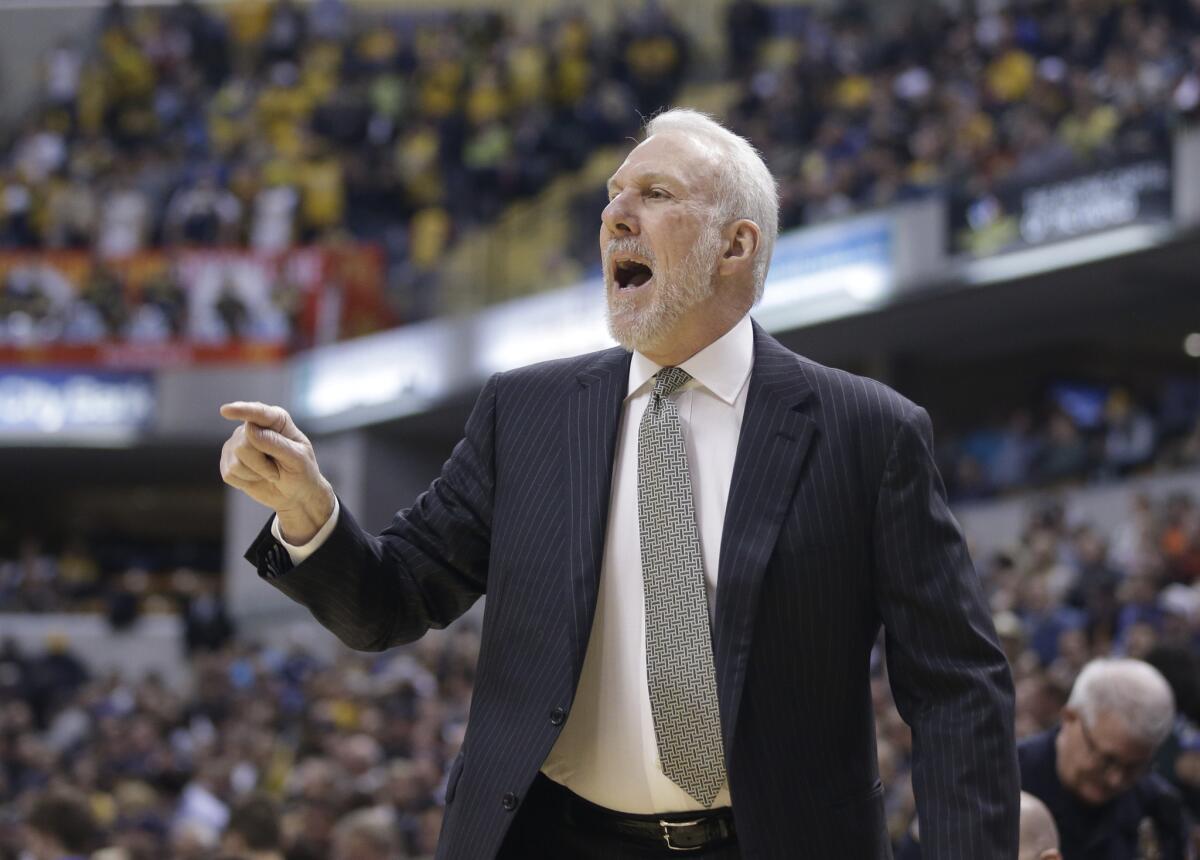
(299, 553)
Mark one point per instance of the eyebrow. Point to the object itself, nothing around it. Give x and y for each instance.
(652, 176)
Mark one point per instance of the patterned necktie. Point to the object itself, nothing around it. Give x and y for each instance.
(679, 654)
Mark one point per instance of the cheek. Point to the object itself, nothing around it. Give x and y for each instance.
(1077, 768)
(676, 233)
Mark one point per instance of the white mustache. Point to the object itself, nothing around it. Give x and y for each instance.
(628, 245)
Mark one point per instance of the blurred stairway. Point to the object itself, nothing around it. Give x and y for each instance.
(524, 251)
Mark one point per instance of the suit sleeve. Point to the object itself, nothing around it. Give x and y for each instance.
(949, 677)
(424, 570)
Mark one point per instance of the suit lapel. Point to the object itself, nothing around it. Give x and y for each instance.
(592, 416)
(774, 438)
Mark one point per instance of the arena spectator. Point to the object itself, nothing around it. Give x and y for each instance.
(367, 834)
(203, 213)
(125, 215)
(1092, 770)
(206, 623)
(60, 826)
(1064, 455)
(253, 832)
(1129, 440)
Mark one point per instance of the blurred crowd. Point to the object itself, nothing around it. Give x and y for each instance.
(274, 750)
(272, 754)
(150, 302)
(1080, 435)
(269, 122)
(264, 122)
(853, 114)
(122, 580)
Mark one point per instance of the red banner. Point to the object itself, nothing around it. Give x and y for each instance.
(165, 308)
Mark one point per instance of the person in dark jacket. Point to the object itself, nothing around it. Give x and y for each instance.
(1093, 769)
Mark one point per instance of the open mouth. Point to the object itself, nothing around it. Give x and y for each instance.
(630, 274)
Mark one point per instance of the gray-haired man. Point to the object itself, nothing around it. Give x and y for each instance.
(1093, 769)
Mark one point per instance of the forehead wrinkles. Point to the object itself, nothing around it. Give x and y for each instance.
(698, 167)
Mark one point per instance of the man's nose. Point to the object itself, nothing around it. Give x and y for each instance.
(617, 218)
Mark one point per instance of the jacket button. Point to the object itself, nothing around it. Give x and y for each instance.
(557, 716)
(509, 802)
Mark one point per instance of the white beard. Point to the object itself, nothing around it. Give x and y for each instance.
(675, 291)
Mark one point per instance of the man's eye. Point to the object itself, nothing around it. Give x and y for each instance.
(656, 192)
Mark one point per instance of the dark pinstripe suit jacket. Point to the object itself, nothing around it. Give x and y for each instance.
(837, 522)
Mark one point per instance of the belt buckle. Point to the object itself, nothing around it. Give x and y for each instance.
(667, 825)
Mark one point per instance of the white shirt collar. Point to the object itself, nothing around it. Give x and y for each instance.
(722, 367)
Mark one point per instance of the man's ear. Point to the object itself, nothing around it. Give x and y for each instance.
(742, 243)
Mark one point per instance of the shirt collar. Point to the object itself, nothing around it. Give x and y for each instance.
(722, 367)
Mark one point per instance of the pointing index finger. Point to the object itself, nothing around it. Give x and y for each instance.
(255, 413)
(239, 410)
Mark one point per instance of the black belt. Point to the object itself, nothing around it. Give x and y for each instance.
(678, 831)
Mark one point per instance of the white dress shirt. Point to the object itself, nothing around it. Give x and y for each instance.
(607, 751)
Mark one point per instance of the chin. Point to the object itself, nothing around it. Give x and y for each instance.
(634, 329)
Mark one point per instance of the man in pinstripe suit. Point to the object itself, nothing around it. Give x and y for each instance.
(811, 514)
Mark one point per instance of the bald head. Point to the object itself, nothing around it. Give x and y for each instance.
(1039, 836)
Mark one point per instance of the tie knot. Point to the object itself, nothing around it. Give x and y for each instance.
(669, 380)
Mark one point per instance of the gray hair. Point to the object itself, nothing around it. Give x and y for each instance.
(1132, 690)
(744, 188)
(375, 825)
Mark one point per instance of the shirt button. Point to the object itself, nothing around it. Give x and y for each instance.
(509, 802)
(557, 716)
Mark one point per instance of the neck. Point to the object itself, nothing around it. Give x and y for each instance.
(677, 353)
(689, 339)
